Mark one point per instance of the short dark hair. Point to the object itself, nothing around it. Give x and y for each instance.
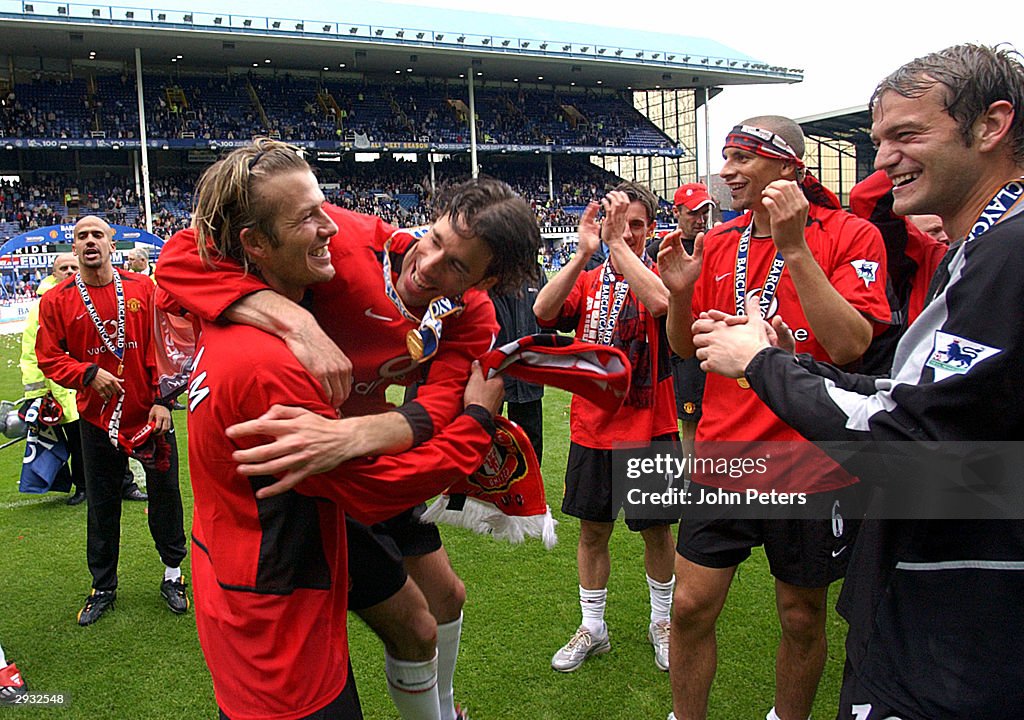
(786, 128)
(642, 194)
(974, 77)
(489, 209)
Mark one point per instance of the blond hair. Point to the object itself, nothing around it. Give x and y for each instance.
(228, 199)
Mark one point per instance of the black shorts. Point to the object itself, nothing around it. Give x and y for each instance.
(857, 703)
(344, 707)
(375, 555)
(804, 553)
(688, 380)
(588, 486)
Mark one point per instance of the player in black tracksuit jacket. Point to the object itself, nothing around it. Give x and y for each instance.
(936, 607)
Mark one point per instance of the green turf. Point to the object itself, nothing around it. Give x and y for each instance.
(143, 662)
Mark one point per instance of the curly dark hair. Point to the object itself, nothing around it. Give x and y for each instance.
(489, 209)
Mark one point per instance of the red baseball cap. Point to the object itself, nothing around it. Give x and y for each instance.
(693, 196)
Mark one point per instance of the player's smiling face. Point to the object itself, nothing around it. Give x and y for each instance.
(298, 255)
(922, 151)
(443, 262)
(747, 175)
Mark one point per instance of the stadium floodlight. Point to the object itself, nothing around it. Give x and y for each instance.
(29, 8)
(276, 24)
(129, 15)
(704, 60)
(419, 35)
(247, 22)
(300, 26)
(162, 17)
(400, 34)
(543, 46)
(439, 37)
(504, 43)
(525, 44)
(732, 63)
(186, 18)
(378, 32)
(566, 48)
(62, 10)
(353, 30)
(95, 11)
(327, 27)
(618, 53)
(602, 51)
(485, 41)
(461, 39)
(686, 58)
(718, 62)
(655, 56)
(585, 48)
(218, 20)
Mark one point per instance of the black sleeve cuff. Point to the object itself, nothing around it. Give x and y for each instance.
(483, 416)
(89, 375)
(419, 422)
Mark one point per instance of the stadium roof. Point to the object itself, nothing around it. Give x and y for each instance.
(852, 125)
(379, 39)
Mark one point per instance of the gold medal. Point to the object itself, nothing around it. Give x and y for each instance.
(742, 382)
(414, 344)
(120, 369)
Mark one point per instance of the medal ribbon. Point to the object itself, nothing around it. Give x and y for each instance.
(422, 342)
(1004, 204)
(602, 319)
(771, 282)
(116, 347)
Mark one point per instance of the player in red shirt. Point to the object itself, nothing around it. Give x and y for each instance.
(95, 336)
(823, 270)
(271, 569)
(387, 285)
(621, 303)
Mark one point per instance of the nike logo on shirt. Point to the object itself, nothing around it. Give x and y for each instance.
(371, 314)
(719, 278)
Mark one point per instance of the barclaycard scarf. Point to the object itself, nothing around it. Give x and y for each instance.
(767, 144)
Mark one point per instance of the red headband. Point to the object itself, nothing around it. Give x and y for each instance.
(762, 142)
(770, 145)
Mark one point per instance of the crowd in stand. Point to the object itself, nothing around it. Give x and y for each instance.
(399, 192)
(294, 108)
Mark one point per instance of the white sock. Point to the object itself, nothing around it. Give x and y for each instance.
(172, 573)
(412, 686)
(772, 715)
(592, 604)
(3, 658)
(661, 598)
(448, 636)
